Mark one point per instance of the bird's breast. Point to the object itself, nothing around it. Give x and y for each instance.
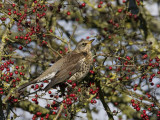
(84, 69)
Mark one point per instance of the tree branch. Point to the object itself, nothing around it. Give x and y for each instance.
(33, 108)
(106, 107)
(1, 110)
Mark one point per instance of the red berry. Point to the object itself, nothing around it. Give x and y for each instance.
(101, 2)
(110, 68)
(20, 47)
(132, 101)
(22, 67)
(95, 101)
(17, 67)
(15, 100)
(42, 118)
(92, 101)
(49, 92)
(33, 10)
(150, 64)
(142, 115)
(79, 89)
(152, 105)
(13, 5)
(53, 102)
(17, 79)
(53, 113)
(47, 116)
(99, 6)
(127, 57)
(39, 113)
(145, 56)
(138, 108)
(119, 10)
(37, 86)
(16, 72)
(25, 38)
(144, 111)
(83, 5)
(60, 52)
(74, 85)
(91, 71)
(116, 103)
(14, 12)
(68, 13)
(9, 13)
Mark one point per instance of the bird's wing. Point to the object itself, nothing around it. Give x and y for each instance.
(71, 65)
(51, 71)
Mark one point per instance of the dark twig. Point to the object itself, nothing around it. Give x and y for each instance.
(101, 96)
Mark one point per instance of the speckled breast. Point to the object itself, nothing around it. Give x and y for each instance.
(84, 69)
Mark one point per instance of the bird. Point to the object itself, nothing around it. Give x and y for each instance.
(73, 66)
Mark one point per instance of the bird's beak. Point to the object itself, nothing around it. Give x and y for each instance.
(90, 41)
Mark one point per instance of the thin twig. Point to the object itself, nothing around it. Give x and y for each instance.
(71, 38)
(54, 51)
(59, 112)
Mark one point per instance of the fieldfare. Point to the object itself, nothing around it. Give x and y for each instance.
(73, 66)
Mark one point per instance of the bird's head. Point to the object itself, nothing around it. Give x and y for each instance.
(84, 46)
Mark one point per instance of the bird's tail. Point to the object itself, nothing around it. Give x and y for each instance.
(23, 87)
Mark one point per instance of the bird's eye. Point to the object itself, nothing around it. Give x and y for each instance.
(84, 44)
